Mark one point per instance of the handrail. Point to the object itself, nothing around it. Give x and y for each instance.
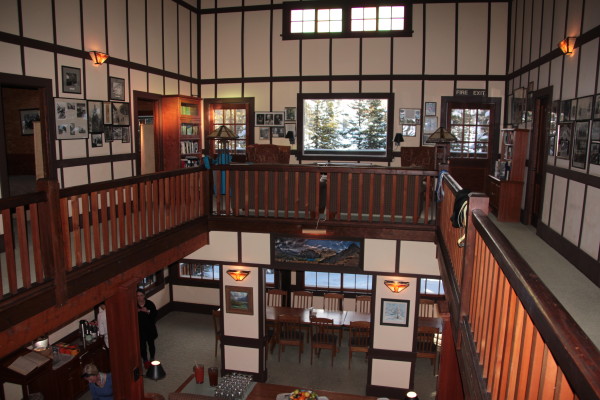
(307, 192)
(573, 350)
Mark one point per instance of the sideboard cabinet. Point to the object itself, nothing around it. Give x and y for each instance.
(505, 185)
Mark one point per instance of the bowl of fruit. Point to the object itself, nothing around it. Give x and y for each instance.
(301, 394)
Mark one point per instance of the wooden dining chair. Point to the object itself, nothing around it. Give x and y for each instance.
(289, 333)
(276, 297)
(359, 339)
(426, 344)
(363, 304)
(302, 299)
(333, 301)
(323, 336)
(216, 316)
(427, 308)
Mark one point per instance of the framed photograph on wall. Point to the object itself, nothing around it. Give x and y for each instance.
(573, 112)
(238, 300)
(71, 79)
(71, 119)
(410, 116)
(120, 113)
(95, 116)
(565, 110)
(268, 118)
(125, 134)
(584, 107)
(28, 117)
(116, 89)
(595, 153)
(580, 144)
(290, 113)
(565, 137)
(595, 137)
(597, 107)
(264, 133)
(430, 108)
(96, 139)
(394, 312)
(278, 132)
(107, 113)
(430, 124)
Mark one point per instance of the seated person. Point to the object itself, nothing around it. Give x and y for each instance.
(100, 383)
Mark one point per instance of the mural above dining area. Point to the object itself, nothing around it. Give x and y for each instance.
(290, 250)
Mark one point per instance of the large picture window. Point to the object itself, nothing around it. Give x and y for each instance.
(350, 18)
(345, 126)
(334, 281)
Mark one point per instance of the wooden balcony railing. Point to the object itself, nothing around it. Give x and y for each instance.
(512, 333)
(21, 229)
(91, 221)
(106, 217)
(364, 194)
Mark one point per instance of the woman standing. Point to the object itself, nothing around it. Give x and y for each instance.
(100, 383)
(147, 326)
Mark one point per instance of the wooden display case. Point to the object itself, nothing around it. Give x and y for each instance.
(505, 186)
(181, 132)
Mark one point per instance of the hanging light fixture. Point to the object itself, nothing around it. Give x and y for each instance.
(238, 274)
(156, 371)
(441, 135)
(98, 58)
(567, 45)
(396, 286)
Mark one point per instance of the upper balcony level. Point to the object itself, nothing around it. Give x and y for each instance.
(510, 333)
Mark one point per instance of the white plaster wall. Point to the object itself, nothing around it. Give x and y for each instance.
(388, 337)
(196, 295)
(590, 231)
(395, 374)
(241, 359)
(221, 246)
(418, 258)
(241, 325)
(380, 255)
(574, 211)
(558, 204)
(256, 248)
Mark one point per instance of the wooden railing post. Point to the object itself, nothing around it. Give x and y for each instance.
(477, 201)
(51, 238)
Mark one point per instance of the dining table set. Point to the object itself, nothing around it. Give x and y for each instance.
(340, 318)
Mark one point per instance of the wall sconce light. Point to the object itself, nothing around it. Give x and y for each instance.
(567, 45)
(156, 371)
(238, 274)
(396, 286)
(398, 139)
(98, 58)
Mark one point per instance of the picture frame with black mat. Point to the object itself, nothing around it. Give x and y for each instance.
(116, 88)
(28, 117)
(395, 312)
(71, 79)
(238, 300)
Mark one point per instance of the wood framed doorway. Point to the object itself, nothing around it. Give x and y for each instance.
(148, 138)
(38, 161)
(538, 155)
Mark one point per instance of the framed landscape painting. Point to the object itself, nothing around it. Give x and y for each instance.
(394, 312)
(238, 300)
(325, 254)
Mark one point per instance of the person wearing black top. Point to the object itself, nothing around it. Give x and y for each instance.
(147, 326)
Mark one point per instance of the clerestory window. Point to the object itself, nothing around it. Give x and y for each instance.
(306, 20)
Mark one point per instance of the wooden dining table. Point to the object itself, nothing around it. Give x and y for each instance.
(267, 391)
(338, 317)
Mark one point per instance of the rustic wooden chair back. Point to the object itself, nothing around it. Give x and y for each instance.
(216, 316)
(302, 299)
(359, 339)
(333, 301)
(363, 304)
(426, 346)
(323, 336)
(289, 333)
(276, 297)
(427, 308)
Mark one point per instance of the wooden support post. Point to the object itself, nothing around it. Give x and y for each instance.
(51, 238)
(125, 359)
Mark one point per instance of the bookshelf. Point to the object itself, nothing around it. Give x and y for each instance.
(181, 127)
(505, 186)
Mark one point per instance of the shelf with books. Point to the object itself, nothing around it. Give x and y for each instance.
(181, 125)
